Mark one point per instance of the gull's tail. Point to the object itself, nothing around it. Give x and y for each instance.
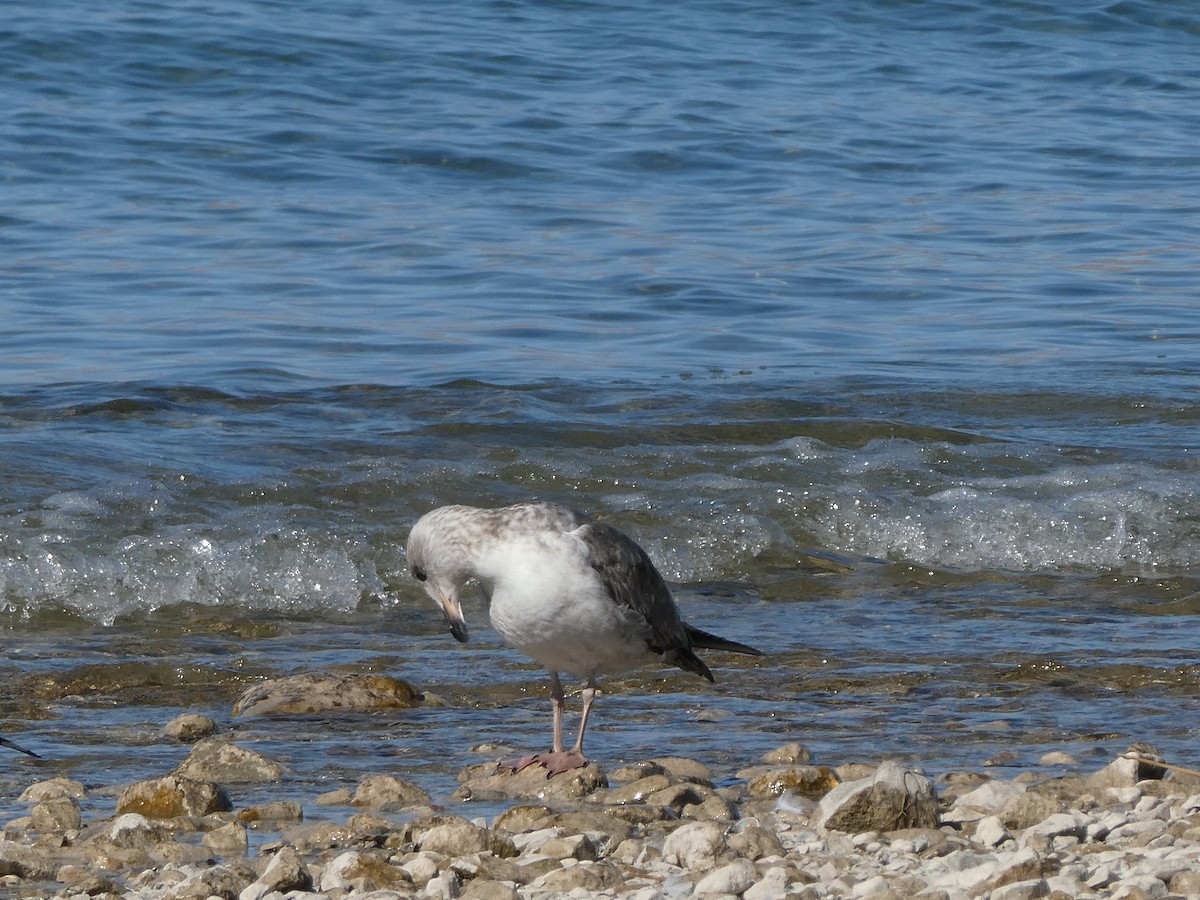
(5, 742)
(702, 640)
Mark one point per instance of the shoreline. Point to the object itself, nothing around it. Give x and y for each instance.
(781, 828)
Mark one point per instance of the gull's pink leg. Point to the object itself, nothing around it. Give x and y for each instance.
(557, 702)
(565, 761)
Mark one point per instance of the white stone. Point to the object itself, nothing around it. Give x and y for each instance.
(873, 885)
(1146, 884)
(733, 878)
(1021, 890)
(772, 886)
(443, 887)
(991, 796)
(991, 832)
(698, 846)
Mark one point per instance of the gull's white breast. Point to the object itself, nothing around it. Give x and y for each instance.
(549, 603)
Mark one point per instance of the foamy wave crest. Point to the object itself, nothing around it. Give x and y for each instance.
(288, 570)
(925, 506)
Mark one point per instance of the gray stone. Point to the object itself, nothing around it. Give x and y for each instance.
(52, 789)
(894, 797)
(217, 759)
(56, 814)
(286, 871)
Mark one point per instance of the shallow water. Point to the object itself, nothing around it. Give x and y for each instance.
(874, 326)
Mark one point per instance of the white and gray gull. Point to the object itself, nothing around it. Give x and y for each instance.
(576, 595)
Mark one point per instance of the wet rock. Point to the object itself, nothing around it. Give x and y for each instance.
(807, 781)
(386, 792)
(171, 796)
(635, 771)
(488, 781)
(217, 759)
(894, 797)
(319, 692)
(276, 811)
(697, 846)
(52, 789)
(56, 814)
(189, 728)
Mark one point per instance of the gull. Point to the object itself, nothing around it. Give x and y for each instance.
(577, 596)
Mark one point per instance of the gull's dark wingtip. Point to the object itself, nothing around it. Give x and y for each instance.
(706, 641)
(5, 742)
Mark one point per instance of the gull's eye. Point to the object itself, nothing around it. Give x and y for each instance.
(419, 573)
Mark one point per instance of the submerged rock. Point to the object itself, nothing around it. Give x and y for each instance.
(492, 781)
(318, 692)
(217, 759)
(190, 727)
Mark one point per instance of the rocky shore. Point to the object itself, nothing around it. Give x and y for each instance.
(669, 827)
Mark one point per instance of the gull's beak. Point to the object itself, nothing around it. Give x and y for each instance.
(452, 609)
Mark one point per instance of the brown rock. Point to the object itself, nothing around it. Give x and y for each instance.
(84, 881)
(306, 694)
(363, 871)
(386, 792)
(274, 811)
(171, 796)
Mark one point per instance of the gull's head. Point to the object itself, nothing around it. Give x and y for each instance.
(438, 558)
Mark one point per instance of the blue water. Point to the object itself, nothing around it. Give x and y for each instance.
(876, 324)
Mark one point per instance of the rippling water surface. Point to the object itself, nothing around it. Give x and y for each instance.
(876, 326)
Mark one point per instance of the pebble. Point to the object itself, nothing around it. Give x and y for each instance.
(883, 833)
